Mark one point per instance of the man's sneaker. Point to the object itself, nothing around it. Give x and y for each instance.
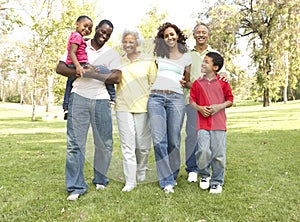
(192, 177)
(204, 183)
(168, 189)
(216, 189)
(128, 188)
(100, 187)
(73, 197)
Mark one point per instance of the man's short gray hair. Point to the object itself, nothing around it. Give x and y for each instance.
(199, 24)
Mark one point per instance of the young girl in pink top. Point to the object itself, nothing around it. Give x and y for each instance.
(78, 58)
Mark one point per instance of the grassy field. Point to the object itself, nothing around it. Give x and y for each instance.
(262, 181)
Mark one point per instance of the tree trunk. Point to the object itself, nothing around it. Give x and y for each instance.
(50, 95)
(266, 101)
(3, 90)
(34, 96)
(285, 99)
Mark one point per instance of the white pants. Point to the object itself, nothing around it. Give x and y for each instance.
(135, 137)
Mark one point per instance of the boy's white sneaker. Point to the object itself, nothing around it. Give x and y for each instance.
(193, 177)
(216, 189)
(204, 183)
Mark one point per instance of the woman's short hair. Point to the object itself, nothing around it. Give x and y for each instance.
(138, 36)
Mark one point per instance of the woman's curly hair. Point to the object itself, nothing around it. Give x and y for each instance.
(161, 49)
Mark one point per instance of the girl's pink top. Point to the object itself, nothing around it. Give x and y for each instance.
(81, 54)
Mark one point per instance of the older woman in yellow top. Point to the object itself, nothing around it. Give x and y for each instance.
(138, 74)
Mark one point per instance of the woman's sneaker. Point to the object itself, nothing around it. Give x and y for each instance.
(128, 188)
(168, 189)
(73, 197)
(216, 189)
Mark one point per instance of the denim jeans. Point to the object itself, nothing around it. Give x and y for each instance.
(212, 153)
(68, 92)
(166, 113)
(84, 112)
(191, 139)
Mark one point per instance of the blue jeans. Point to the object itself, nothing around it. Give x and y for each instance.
(102, 70)
(212, 153)
(191, 139)
(84, 112)
(166, 112)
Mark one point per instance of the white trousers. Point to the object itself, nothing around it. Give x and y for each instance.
(135, 137)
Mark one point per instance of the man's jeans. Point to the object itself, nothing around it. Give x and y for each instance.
(212, 153)
(84, 112)
(191, 139)
(166, 113)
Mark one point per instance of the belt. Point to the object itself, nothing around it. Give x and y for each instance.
(162, 91)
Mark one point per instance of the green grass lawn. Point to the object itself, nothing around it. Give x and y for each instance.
(262, 181)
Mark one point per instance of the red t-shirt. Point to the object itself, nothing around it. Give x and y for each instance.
(81, 54)
(205, 93)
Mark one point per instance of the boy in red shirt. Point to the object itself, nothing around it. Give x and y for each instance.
(210, 96)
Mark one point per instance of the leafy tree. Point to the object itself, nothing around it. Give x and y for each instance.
(224, 23)
(149, 27)
(50, 23)
(261, 21)
(151, 23)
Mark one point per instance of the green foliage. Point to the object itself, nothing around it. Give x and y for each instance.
(151, 23)
(272, 28)
(268, 24)
(224, 22)
(260, 182)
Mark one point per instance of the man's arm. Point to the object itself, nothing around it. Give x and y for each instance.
(90, 72)
(112, 78)
(64, 70)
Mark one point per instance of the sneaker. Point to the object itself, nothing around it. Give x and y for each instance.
(168, 189)
(204, 183)
(216, 189)
(65, 114)
(141, 178)
(192, 177)
(128, 188)
(100, 187)
(73, 197)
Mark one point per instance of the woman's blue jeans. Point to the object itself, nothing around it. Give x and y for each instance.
(166, 112)
(84, 112)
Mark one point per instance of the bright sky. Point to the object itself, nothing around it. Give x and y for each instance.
(128, 13)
